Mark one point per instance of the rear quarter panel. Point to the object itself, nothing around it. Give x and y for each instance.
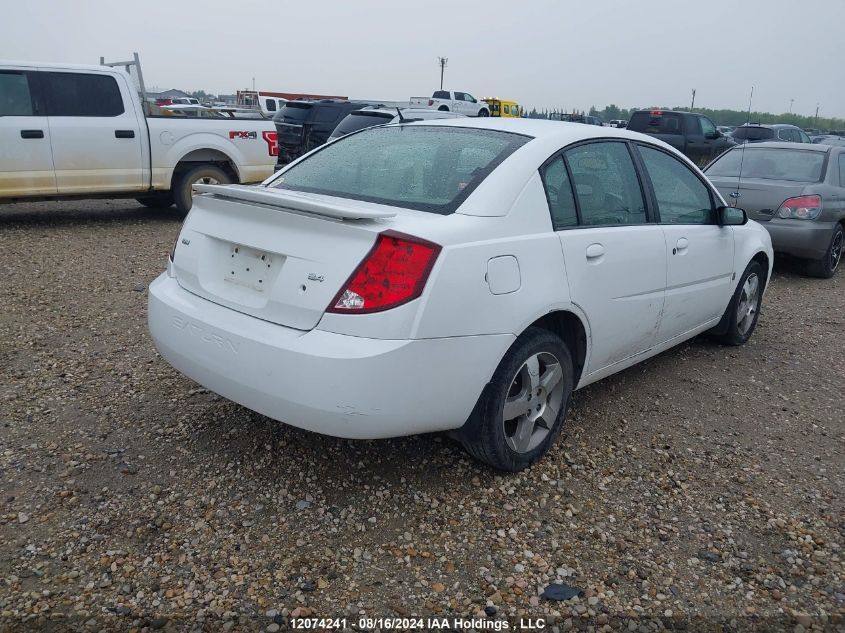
(460, 302)
(241, 141)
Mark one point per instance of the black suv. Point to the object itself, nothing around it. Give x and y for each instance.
(304, 125)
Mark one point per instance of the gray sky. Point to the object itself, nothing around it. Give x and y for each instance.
(543, 53)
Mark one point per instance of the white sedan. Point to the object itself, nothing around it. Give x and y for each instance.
(460, 275)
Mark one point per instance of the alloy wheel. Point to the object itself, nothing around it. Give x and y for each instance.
(746, 310)
(836, 251)
(533, 402)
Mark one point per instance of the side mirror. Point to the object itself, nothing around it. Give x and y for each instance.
(731, 216)
(713, 135)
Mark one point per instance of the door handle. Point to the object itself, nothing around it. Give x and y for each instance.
(594, 251)
(32, 133)
(124, 133)
(680, 245)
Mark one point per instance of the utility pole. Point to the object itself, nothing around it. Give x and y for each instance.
(692, 105)
(442, 61)
(816, 123)
(253, 84)
(791, 101)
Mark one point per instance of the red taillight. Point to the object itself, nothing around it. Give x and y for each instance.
(801, 208)
(393, 272)
(431, 102)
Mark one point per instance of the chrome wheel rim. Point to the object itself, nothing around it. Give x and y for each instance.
(533, 402)
(204, 180)
(836, 250)
(746, 311)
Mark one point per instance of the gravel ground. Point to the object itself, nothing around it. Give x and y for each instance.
(701, 490)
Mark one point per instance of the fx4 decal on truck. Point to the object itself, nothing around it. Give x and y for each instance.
(246, 135)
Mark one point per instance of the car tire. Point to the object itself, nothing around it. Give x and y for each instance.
(157, 200)
(443, 109)
(740, 318)
(483, 112)
(827, 265)
(208, 174)
(535, 373)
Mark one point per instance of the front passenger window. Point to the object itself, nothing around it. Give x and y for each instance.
(681, 197)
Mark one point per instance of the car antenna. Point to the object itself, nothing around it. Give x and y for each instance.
(399, 112)
(736, 194)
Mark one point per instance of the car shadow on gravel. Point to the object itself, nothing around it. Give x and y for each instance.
(69, 214)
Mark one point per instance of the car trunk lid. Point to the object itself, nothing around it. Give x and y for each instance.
(276, 255)
(760, 197)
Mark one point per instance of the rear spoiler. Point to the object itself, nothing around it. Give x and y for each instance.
(303, 202)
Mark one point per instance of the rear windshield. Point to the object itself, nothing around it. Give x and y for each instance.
(360, 120)
(427, 168)
(770, 164)
(656, 122)
(293, 112)
(753, 134)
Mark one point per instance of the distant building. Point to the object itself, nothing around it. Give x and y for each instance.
(167, 94)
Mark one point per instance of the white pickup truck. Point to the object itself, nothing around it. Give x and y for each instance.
(69, 131)
(448, 101)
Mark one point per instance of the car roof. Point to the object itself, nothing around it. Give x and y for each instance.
(771, 126)
(812, 147)
(60, 66)
(650, 110)
(561, 131)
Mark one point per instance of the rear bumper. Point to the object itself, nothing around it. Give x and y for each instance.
(801, 238)
(334, 384)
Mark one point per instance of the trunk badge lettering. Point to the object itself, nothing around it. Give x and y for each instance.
(316, 277)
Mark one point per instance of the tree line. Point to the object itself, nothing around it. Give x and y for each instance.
(719, 117)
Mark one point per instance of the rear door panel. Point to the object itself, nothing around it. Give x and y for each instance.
(93, 153)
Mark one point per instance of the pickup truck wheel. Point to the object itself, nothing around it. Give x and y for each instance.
(443, 108)
(157, 200)
(483, 112)
(744, 308)
(521, 411)
(827, 265)
(206, 174)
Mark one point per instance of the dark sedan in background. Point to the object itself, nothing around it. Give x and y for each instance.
(796, 191)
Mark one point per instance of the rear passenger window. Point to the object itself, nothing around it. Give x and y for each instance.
(15, 99)
(681, 197)
(606, 184)
(80, 94)
(559, 194)
(271, 105)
